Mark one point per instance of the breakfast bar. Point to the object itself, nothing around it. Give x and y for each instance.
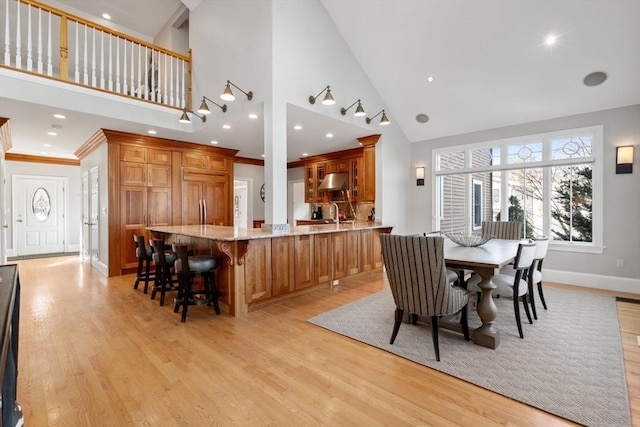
(258, 268)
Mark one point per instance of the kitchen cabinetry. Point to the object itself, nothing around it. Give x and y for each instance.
(206, 198)
(359, 163)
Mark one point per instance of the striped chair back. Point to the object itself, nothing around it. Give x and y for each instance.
(417, 275)
(510, 230)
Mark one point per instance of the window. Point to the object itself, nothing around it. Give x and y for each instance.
(551, 182)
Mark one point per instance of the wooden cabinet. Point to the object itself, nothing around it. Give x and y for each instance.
(339, 251)
(206, 198)
(314, 174)
(366, 245)
(304, 261)
(201, 160)
(353, 252)
(322, 258)
(258, 270)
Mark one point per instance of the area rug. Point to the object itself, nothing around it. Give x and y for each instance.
(569, 363)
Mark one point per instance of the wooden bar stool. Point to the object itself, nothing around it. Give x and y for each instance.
(188, 268)
(144, 255)
(164, 260)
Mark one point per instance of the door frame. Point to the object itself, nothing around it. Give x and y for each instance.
(65, 206)
(250, 197)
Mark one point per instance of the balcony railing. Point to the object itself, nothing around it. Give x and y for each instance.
(45, 41)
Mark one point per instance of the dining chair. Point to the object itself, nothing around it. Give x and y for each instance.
(417, 277)
(535, 276)
(510, 230)
(453, 276)
(516, 285)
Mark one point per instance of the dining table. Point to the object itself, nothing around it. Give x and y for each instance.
(484, 260)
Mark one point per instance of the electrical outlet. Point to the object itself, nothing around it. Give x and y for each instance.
(620, 263)
(335, 283)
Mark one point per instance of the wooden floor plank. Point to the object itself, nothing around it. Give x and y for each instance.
(95, 352)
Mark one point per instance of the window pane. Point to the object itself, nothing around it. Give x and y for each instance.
(571, 203)
(524, 153)
(451, 161)
(453, 197)
(485, 157)
(571, 148)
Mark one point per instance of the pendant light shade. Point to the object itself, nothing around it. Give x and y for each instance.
(227, 93)
(384, 120)
(359, 109)
(328, 97)
(204, 108)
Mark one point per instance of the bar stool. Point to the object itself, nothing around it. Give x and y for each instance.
(164, 260)
(144, 254)
(188, 268)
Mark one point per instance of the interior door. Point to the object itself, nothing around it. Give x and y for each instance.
(4, 225)
(38, 214)
(240, 197)
(86, 192)
(94, 217)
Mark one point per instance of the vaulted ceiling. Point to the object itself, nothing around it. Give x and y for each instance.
(488, 61)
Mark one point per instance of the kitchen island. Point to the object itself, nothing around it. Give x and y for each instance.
(257, 268)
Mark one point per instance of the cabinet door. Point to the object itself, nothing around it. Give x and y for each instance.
(339, 249)
(133, 208)
(321, 171)
(322, 257)
(158, 157)
(159, 176)
(257, 270)
(130, 153)
(216, 162)
(353, 252)
(354, 177)
(303, 261)
(366, 248)
(191, 203)
(309, 184)
(193, 159)
(282, 265)
(159, 206)
(133, 173)
(216, 204)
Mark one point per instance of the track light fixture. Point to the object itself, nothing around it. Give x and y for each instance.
(384, 120)
(328, 98)
(227, 95)
(204, 108)
(185, 117)
(359, 110)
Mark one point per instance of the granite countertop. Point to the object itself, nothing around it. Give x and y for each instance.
(218, 232)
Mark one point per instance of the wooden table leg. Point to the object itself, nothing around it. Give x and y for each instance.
(486, 335)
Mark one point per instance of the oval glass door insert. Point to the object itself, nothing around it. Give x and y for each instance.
(41, 204)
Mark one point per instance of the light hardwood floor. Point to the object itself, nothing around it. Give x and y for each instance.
(94, 352)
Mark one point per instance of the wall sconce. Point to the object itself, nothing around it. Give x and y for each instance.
(227, 95)
(624, 159)
(204, 108)
(384, 120)
(420, 175)
(328, 98)
(359, 110)
(185, 117)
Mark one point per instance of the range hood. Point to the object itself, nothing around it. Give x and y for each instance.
(333, 181)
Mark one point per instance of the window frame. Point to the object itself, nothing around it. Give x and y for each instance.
(596, 134)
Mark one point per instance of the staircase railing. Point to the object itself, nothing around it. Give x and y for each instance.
(45, 41)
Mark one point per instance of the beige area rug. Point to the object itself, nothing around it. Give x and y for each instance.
(570, 362)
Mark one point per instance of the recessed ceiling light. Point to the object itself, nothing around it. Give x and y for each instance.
(59, 116)
(262, 155)
(297, 127)
(214, 142)
(430, 79)
(422, 118)
(151, 132)
(594, 79)
(106, 16)
(52, 133)
(44, 153)
(253, 116)
(226, 126)
(305, 154)
(47, 145)
(551, 39)
(329, 135)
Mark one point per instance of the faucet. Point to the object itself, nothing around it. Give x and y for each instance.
(335, 206)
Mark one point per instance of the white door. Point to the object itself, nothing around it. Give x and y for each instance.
(39, 203)
(300, 208)
(4, 224)
(94, 217)
(240, 196)
(85, 218)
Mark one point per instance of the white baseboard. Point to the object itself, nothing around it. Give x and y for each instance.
(598, 281)
(74, 248)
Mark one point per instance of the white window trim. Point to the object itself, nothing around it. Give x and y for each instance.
(597, 212)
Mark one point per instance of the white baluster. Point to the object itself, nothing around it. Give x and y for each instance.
(29, 57)
(171, 99)
(94, 82)
(39, 41)
(49, 63)
(7, 34)
(118, 64)
(148, 90)
(102, 62)
(183, 89)
(133, 85)
(164, 84)
(85, 65)
(124, 66)
(110, 54)
(18, 40)
(76, 68)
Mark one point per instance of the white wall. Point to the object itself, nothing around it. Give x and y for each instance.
(621, 196)
(254, 174)
(73, 218)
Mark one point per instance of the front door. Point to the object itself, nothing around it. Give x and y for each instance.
(39, 225)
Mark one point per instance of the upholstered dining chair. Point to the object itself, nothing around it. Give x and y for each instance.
(516, 285)
(417, 276)
(454, 277)
(510, 230)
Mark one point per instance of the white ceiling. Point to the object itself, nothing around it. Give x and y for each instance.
(488, 59)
